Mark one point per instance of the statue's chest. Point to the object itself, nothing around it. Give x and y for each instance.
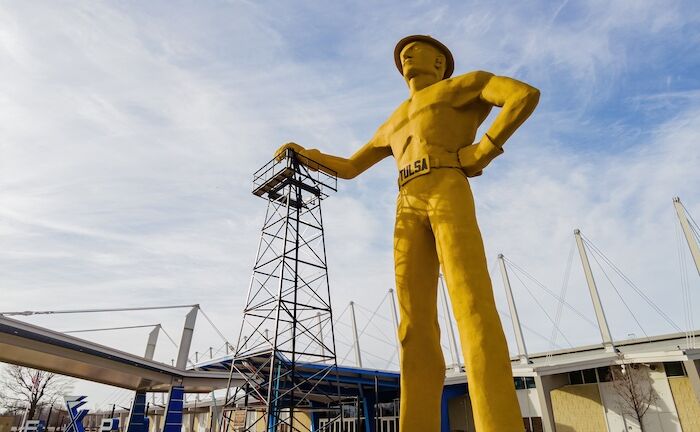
(425, 125)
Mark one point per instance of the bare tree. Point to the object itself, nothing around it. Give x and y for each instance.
(633, 385)
(24, 388)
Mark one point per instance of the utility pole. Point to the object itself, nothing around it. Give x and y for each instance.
(517, 329)
(593, 289)
(687, 232)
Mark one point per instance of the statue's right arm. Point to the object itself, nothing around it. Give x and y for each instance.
(345, 168)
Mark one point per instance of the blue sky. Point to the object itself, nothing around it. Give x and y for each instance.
(129, 132)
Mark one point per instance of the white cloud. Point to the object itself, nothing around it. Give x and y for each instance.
(531, 202)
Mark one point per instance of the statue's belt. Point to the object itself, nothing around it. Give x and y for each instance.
(424, 164)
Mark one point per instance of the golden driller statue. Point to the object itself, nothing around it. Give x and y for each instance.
(431, 136)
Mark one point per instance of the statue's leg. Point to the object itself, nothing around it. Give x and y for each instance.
(422, 362)
(461, 251)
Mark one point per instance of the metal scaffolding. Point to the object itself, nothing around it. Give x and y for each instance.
(288, 321)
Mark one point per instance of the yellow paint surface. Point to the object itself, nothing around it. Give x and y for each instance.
(578, 408)
(686, 403)
(432, 136)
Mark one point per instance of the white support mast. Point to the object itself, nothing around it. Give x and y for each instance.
(687, 232)
(152, 341)
(517, 329)
(358, 354)
(595, 298)
(186, 340)
(454, 348)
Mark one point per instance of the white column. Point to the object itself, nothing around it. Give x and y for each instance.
(544, 386)
(687, 232)
(692, 368)
(151, 344)
(593, 289)
(519, 339)
(186, 340)
(358, 355)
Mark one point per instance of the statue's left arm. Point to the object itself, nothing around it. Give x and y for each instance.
(517, 101)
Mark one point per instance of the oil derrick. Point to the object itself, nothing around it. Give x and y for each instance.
(286, 348)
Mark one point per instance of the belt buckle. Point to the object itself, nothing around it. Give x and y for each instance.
(414, 169)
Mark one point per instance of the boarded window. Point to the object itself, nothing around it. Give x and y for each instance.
(575, 377)
(530, 382)
(674, 369)
(604, 374)
(589, 376)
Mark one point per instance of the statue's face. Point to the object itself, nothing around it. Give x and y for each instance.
(421, 58)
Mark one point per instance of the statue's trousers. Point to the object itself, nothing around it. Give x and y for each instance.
(436, 226)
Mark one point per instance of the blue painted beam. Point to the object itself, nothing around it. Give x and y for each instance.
(137, 421)
(449, 392)
(173, 411)
(368, 401)
(331, 379)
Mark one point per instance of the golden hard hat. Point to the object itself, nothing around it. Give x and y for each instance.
(449, 60)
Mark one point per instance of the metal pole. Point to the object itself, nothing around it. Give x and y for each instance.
(151, 344)
(273, 386)
(454, 350)
(519, 339)
(358, 355)
(593, 289)
(109, 328)
(73, 311)
(186, 340)
(292, 334)
(687, 231)
(395, 319)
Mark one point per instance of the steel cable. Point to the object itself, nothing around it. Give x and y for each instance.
(619, 272)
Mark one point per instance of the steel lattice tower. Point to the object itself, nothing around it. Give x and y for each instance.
(286, 347)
